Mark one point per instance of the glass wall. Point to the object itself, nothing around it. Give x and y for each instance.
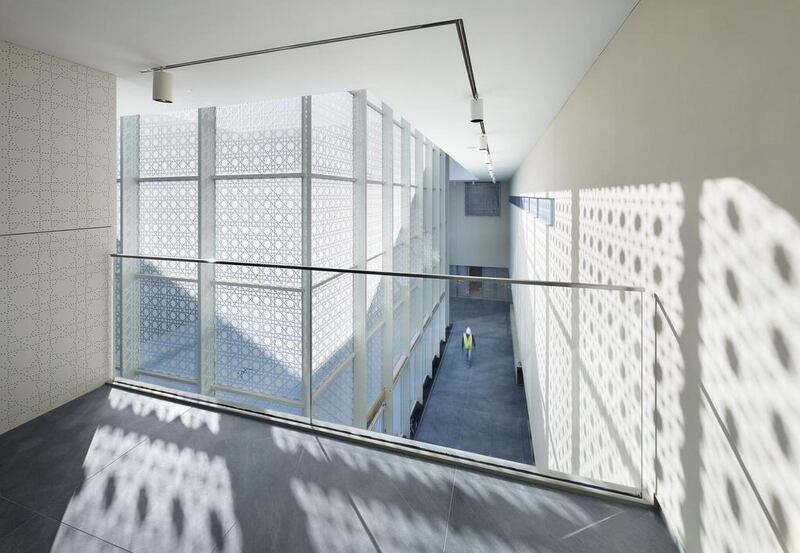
(335, 181)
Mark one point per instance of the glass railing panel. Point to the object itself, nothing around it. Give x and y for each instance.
(552, 382)
(159, 316)
(236, 339)
(581, 355)
(333, 345)
(608, 384)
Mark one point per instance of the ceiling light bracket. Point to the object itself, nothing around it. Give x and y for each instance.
(458, 23)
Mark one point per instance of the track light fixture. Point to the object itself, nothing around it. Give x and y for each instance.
(163, 81)
(476, 110)
(162, 86)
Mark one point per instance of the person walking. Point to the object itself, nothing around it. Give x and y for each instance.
(467, 344)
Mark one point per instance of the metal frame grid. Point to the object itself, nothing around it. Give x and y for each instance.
(330, 180)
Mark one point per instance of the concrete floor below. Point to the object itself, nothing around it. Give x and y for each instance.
(478, 406)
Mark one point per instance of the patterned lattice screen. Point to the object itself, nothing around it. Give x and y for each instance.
(258, 340)
(375, 287)
(399, 232)
(259, 138)
(374, 363)
(168, 220)
(168, 295)
(397, 154)
(118, 278)
(416, 291)
(259, 220)
(168, 327)
(332, 134)
(331, 224)
(168, 144)
(332, 324)
(374, 219)
(258, 217)
(413, 160)
(415, 253)
(400, 240)
(398, 348)
(334, 403)
(374, 145)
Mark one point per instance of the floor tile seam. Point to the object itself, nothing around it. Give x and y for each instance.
(364, 524)
(593, 524)
(117, 458)
(36, 512)
(396, 487)
(225, 536)
(449, 511)
(18, 505)
(352, 502)
(144, 437)
(281, 514)
(391, 483)
(92, 535)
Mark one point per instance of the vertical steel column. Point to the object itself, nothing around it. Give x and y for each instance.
(129, 192)
(419, 166)
(405, 237)
(427, 230)
(445, 260)
(360, 259)
(439, 234)
(433, 333)
(306, 277)
(206, 354)
(442, 237)
(387, 351)
(435, 267)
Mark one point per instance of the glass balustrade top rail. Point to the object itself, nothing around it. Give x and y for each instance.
(355, 271)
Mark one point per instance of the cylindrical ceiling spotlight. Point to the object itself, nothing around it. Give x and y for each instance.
(162, 86)
(476, 110)
(483, 143)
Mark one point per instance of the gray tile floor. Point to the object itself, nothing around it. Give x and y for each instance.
(119, 471)
(478, 407)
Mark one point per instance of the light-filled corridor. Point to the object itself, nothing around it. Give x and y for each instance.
(478, 406)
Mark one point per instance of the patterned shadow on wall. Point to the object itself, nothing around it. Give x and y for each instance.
(749, 348)
(591, 385)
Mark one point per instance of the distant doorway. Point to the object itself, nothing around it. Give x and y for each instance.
(475, 287)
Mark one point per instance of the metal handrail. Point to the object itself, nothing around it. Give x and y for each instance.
(725, 432)
(435, 276)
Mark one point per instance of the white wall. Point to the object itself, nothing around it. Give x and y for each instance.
(674, 165)
(476, 241)
(57, 125)
(458, 173)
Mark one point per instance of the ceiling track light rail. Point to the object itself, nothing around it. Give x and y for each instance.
(162, 83)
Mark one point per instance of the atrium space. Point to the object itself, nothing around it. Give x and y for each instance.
(306, 276)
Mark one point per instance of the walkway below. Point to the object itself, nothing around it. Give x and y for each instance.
(116, 471)
(479, 407)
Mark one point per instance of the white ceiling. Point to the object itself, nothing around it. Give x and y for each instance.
(528, 56)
